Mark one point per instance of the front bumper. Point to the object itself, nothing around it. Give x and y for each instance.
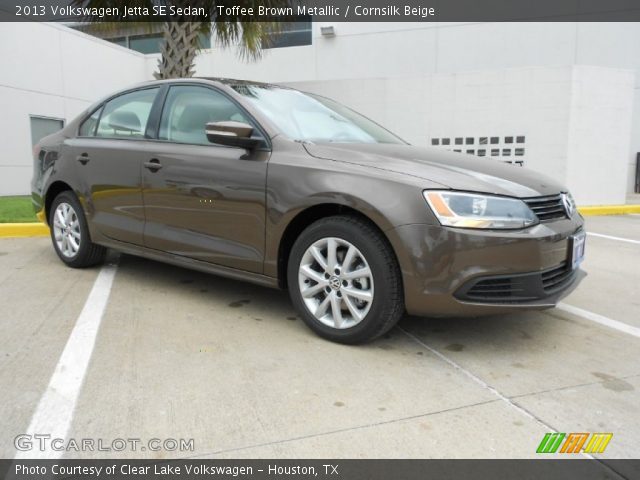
(441, 266)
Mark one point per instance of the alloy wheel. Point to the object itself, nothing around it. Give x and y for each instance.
(336, 283)
(66, 230)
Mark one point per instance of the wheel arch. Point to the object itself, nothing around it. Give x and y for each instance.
(305, 218)
(53, 191)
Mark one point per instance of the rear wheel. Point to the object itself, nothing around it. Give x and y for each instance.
(70, 233)
(344, 280)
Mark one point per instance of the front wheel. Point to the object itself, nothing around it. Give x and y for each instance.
(344, 280)
(70, 233)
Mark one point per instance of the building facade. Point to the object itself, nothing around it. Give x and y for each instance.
(556, 97)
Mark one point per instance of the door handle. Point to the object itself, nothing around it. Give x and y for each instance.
(83, 159)
(153, 165)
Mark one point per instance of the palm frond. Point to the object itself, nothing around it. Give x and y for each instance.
(181, 44)
(249, 35)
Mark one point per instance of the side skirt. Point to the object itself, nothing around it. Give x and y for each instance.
(190, 263)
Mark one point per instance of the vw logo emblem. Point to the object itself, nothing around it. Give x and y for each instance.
(335, 283)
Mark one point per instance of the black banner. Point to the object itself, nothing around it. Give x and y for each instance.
(192, 469)
(321, 10)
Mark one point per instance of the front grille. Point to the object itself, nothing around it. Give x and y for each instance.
(557, 278)
(547, 208)
(517, 288)
(496, 289)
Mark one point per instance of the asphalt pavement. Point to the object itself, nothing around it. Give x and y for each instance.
(229, 367)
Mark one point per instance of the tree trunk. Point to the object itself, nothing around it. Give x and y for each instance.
(179, 50)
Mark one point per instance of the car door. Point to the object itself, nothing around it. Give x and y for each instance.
(110, 148)
(202, 200)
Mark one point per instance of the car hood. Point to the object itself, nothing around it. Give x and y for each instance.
(450, 169)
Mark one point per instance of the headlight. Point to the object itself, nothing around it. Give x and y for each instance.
(470, 210)
(569, 204)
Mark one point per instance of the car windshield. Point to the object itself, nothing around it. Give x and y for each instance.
(306, 117)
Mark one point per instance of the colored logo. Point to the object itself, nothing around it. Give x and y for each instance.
(574, 443)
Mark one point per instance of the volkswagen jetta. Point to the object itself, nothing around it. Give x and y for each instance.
(288, 189)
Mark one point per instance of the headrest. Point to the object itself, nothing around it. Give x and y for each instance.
(124, 120)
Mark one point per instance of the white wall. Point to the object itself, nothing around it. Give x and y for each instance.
(599, 134)
(576, 120)
(482, 77)
(362, 50)
(375, 51)
(51, 71)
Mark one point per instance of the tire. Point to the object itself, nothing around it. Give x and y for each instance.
(70, 233)
(364, 286)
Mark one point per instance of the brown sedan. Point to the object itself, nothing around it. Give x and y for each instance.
(292, 190)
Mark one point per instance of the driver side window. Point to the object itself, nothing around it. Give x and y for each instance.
(126, 116)
(188, 109)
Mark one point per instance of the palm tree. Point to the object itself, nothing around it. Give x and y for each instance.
(182, 38)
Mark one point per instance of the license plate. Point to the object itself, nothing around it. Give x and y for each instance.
(577, 249)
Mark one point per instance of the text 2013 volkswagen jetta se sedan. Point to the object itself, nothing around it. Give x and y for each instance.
(292, 190)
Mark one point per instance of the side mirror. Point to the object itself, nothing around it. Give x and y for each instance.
(233, 134)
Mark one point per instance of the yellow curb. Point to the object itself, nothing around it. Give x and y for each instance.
(8, 230)
(609, 209)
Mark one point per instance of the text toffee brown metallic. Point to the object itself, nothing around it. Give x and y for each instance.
(288, 189)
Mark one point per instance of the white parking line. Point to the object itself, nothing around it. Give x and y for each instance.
(602, 320)
(484, 385)
(619, 239)
(501, 396)
(55, 410)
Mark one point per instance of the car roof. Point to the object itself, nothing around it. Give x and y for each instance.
(235, 81)
(229, 82)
